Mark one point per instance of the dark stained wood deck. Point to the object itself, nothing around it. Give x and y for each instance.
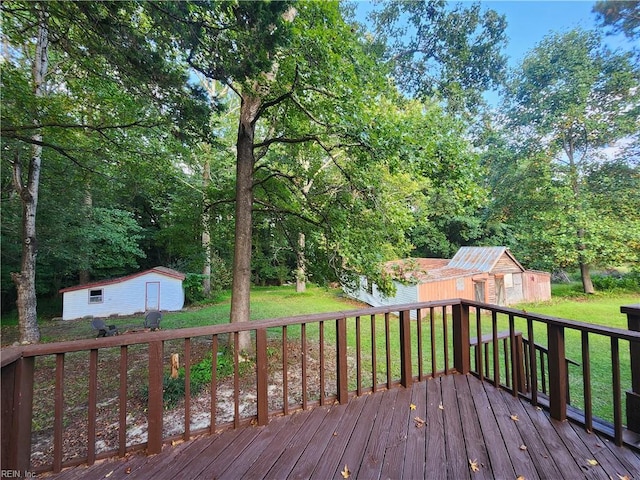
(377, 436)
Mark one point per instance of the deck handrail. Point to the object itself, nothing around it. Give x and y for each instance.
(395, 355)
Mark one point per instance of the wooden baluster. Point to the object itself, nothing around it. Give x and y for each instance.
(122, 400)
(236, 380)
(358, 359)
(479, 348)
(187, 389)
(432, 325)
(533, 365)
(285, 371)
(155, 402)
(262, 376)
(58, 422)
(445, 331)
(420, 339)
(406, 376)
(617, 391)
(374, 359)
(341, 345)
(557, 372)
(303, 331)
(388, 346)
(92, 410)
(322, 366)
(214, 383)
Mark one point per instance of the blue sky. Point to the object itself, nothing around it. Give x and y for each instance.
(528, 22)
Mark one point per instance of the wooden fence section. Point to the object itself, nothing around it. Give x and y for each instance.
(104, 392)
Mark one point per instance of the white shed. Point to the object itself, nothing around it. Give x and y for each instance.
(159, 288)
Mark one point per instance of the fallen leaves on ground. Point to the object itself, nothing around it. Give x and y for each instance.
(419, 422)
(625, 477)
(412, 406)
(515, 418)
(346, 473)
(473, 464)
(521, 477)
(592, 462)
(523, 447)
(441, 407)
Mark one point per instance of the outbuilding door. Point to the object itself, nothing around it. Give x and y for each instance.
(152, 298)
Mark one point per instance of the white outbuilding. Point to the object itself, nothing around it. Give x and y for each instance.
(159, 288)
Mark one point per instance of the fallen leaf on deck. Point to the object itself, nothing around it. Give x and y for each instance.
(515, 418)
(441, 407)
(521, 477)
(128, 470)
(335, 434)
(474, 465)
(412, 406)
(419, 422)
(346, 473)
(108, 474)
(626, 477)
(523, 447)
(592, 462)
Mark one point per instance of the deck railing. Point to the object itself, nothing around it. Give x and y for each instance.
(74, 402)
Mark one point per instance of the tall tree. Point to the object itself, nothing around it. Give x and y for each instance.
(621, 16)
(282, 62)
(453, 52)
(570, 98)
(90, 42)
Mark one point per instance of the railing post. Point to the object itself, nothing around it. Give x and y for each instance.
(406, 376)
(17, 410)
(633, 396)
(461, 343)
(155, 405)
(261, 373)
(343, 385)
(558, 382)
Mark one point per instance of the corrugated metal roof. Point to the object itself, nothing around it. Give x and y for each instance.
(477, 258)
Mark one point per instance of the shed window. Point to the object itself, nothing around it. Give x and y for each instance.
(95, 296)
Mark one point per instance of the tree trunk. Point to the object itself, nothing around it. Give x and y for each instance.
(206, 235)
(241, 290)
(26, 280)
(587, 284)
(84, 274)
(301, 272)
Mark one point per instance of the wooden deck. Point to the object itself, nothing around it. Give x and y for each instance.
(381, 436)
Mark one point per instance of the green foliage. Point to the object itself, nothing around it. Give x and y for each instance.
(616, 282)
(173, 389)
(437, 49)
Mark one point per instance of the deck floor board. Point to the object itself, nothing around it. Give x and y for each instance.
(377, 436)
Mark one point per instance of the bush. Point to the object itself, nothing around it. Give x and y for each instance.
(617, 282)
(173, 389)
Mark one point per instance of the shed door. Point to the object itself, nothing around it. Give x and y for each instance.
(152, 300)
(501, 296)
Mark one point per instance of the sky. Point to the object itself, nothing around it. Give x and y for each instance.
(528, 22)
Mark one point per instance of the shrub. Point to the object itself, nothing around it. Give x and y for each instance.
(173, 389)
(617, 282)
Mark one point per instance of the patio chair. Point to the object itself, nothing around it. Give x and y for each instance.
(152, 320)
(103, 329)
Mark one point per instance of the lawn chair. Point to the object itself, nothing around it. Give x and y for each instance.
(103, 329)
(152, 320)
